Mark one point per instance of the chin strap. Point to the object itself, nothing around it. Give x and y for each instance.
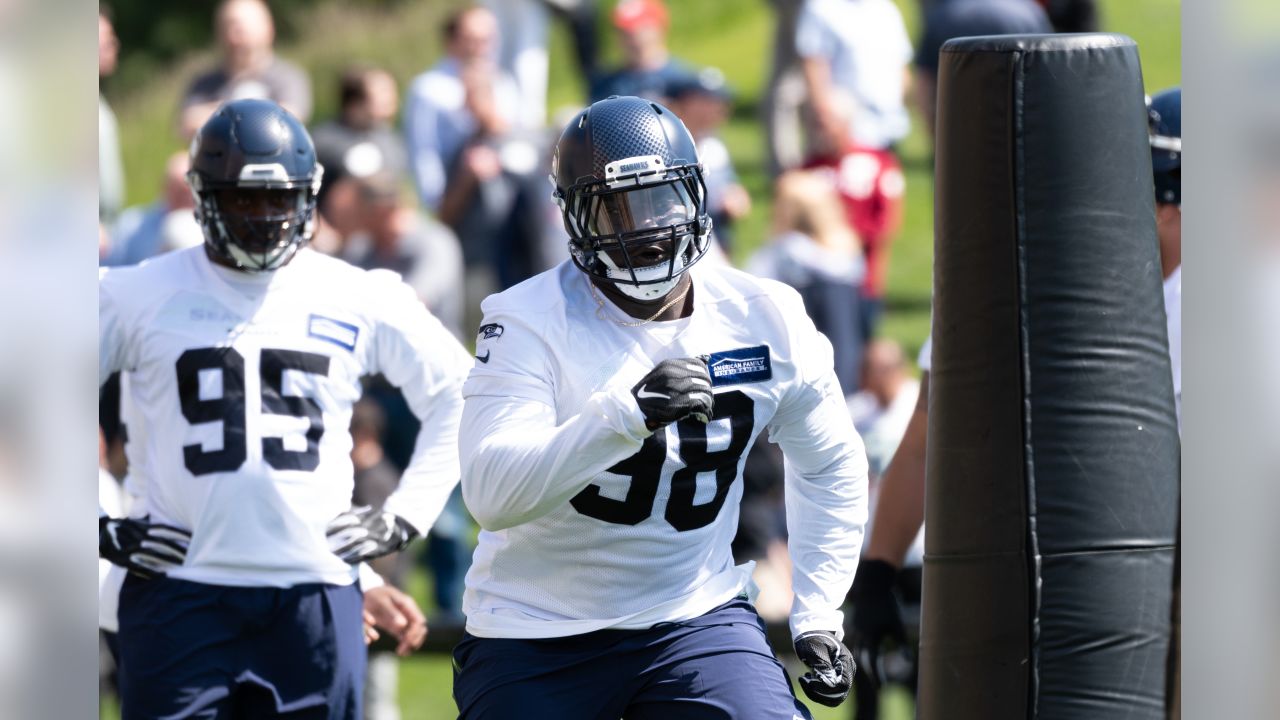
(623, 277)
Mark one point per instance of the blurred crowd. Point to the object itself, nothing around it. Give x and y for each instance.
(444, 181)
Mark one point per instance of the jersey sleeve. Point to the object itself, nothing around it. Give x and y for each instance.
(519, 461)
(415, 352)
(826, 479)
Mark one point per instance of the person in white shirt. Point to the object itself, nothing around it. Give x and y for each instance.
(606, 424)
(858, 50)
(244, 358)
(475, 152)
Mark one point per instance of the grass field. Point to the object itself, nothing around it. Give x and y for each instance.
(734, 35)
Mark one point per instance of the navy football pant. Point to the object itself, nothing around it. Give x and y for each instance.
(715, 666)
(191, 650)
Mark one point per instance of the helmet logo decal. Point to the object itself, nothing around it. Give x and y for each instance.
(638, 170)
(264, 173)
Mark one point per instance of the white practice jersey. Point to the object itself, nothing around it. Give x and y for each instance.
(589, 520)
(242, 386)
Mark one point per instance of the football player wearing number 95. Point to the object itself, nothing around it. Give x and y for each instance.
(244, 358)
(607, 420)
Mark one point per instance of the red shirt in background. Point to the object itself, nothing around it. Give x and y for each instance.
(871, 184)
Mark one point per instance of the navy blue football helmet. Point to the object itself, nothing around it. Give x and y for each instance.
(1164, 115)
(255, 177)
(627, 177)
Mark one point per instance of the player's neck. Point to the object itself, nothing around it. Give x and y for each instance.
(645, 310)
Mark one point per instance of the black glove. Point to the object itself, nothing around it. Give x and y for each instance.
(363, 533)
(674, 390)
(143, 548)
(830, 667)
(876, 615)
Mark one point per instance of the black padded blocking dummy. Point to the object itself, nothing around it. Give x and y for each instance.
(1053, 447)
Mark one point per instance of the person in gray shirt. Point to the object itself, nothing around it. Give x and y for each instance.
(249, 68)
(383, 231)
(361, 141)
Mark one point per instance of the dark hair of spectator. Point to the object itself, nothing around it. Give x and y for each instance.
(105, 12)
(368, 417)
(451, 24)
(354, 86)
(454, 20)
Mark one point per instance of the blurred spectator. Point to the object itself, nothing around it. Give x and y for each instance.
(880, 412)
(871, 185)
(438, 122)
(703, 101)
(375, 476)
(110, 169)
(523, 26)
(166, 224)
(858, 49)
(361, 140)
(104, 244)
(384, 232)
(375, 479)
(783, 94)
(963, 18)
(1072, 16)
(814, 250)
(881, 409)
(248, 69)
(476, 165)
(648, 69)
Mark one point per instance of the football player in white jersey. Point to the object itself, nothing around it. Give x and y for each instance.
(245, 357)
(606, 424)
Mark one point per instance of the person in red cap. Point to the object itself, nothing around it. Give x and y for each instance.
(648, 71)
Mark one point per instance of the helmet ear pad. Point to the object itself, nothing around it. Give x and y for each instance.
(627, 180)
(255, 180)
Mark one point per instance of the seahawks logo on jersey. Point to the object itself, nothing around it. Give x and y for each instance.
(492, 330)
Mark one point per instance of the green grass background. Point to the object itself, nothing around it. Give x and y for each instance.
(734, 35)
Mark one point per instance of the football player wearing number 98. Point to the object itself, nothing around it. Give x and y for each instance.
(244, 358)
(606, 424)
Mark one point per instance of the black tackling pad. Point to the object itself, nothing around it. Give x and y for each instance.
(1053, 447)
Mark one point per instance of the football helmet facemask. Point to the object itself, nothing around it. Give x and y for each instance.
(255, 177)
(630, 188)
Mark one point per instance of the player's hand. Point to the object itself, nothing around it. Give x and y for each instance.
(674, 390)
(143, 548)
(876, 615)
(394, 611)
(363, 533)
(830, 667)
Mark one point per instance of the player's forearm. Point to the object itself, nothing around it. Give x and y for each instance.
(900, 508)
(517, 465)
